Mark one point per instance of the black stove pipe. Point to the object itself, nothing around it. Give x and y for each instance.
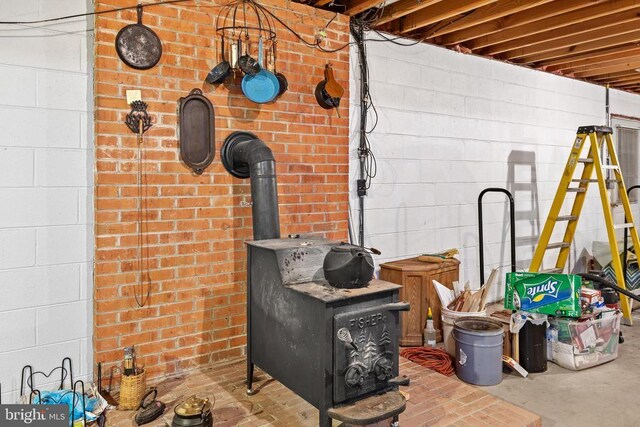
(244, 155)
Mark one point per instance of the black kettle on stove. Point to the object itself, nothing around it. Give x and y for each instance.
(349, 266)
(193, 412)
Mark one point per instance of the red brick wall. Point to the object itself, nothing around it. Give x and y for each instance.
(196, 225)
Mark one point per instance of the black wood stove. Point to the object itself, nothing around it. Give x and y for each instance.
(336, 348)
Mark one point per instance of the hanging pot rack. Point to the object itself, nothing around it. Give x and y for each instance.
(245, 18)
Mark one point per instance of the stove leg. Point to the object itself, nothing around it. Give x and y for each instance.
(395, 422)
(250, 390)
(325, 420)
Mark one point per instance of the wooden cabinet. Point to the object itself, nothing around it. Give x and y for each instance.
(415, 277)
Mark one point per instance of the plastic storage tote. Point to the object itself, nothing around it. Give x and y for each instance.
(580, 345)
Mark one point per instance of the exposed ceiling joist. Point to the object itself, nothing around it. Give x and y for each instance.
(632, 87)
(580, 16)
(596, 40)
(632, 37)
(625, 76)
(488, 13)
(402, 8)
(515, 20)
(602, 62)
(357, 6)
(438, 12)
(625, 66)
(617, 77)
(559, 33)
(573, 40)
(585, 58)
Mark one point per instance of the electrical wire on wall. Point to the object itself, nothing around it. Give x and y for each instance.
(367, 160)
(315, 44)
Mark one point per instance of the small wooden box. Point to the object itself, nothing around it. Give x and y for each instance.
(417, 289)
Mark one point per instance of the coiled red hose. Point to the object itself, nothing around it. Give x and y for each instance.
(435, 359)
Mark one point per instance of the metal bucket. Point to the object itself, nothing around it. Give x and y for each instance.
(449, 317)
(478, 350)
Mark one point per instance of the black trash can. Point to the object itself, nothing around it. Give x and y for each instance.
(533, 347)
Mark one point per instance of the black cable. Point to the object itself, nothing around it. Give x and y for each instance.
(367, 106)
(366, 22)
(367, 160)
(79, 15)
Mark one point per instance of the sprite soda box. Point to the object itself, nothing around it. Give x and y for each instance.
(554, 294)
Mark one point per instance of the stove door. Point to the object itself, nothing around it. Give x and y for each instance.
(365, 350)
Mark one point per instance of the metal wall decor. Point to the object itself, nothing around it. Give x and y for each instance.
(138, 46)
(138, 120)
(196, 132)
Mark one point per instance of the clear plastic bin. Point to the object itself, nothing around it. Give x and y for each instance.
(580, 345)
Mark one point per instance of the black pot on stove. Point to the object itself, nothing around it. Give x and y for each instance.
(348, 266)
(193, 412)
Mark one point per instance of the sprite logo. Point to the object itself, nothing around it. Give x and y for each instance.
(542, 293)
(537, 292)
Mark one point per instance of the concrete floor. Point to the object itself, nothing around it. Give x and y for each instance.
(604, 395)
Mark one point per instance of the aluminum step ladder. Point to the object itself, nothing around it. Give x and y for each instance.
(597, 136)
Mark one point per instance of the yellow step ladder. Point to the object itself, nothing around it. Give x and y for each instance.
(597, 136)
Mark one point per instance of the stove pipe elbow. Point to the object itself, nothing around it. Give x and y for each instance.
(244, 155)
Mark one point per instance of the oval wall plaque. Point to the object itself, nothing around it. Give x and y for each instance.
(197, 131)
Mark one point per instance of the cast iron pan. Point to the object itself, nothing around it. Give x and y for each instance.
(221, 71)
(247, 64)
(282, 80)
(138, 46)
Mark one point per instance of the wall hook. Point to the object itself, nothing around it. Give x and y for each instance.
(138, 119)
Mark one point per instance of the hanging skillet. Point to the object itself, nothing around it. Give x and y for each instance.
(262, 87)
(220, 72)
(138, 46)
(282, 80)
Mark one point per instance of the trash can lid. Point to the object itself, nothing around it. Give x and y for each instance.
(480, 325)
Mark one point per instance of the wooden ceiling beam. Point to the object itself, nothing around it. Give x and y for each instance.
(356, 6)
(587, 46)
(600, 63)
(402, 8)
(425, 33)
(631, 79)
(634, 82)
(515, 20)
(572, 61)
(438, 12)
(616, 77)
(611, 78)
(584, 16)
(629, 65)
(562, 32)
(489, 13)
(631, 86)
(321, 3)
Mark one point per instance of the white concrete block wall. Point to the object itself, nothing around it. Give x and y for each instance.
(46, 184)
(450, 125)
